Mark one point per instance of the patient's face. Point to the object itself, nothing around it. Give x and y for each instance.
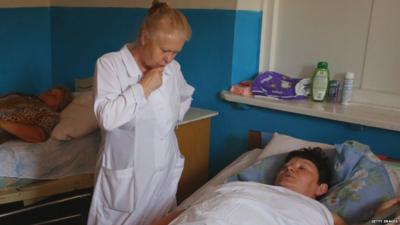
(53, 98)
(300, 175)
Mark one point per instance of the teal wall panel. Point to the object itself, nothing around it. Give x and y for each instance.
(81, 35)
(25, 60)
(246, 46)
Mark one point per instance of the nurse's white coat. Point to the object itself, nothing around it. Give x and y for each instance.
(139, 164)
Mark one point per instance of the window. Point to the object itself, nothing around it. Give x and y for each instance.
(360, 36)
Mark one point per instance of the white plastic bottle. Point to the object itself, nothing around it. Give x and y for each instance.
(347, 88)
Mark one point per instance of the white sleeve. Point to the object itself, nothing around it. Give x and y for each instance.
(113, 107)
(186, 92)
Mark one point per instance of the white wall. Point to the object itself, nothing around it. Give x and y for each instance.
(253, 5)
(360, 36)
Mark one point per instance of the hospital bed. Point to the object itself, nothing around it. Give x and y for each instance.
(63, 163)
(51, 174)
(24, 165)
(42, 176)
(357, 193)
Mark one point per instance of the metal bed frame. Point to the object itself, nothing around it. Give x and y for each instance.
(49, 196)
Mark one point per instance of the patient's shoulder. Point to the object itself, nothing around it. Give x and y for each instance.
(16, 98)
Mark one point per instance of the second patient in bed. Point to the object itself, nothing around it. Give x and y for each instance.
(305, 171)
(31, 118)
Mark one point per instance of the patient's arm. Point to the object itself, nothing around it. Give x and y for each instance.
(168, 218)
(337, 220)
(29, 133)
(384, 206)
(388, 204)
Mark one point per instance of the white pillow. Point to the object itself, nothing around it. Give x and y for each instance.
(84, 84)
(77, 119)
(283, 143)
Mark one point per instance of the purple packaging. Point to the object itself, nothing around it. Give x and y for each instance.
(277, 85)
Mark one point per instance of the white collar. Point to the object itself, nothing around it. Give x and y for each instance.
(130, 63)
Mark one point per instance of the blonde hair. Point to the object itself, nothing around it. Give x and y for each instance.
(162, 19)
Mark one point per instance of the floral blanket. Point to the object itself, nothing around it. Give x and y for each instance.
(359, 183)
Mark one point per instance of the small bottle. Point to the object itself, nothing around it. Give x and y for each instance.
(347, 88)
(320, 81)
(333, 90)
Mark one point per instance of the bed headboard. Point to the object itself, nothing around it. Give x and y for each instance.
(258, 139)
(254, 139)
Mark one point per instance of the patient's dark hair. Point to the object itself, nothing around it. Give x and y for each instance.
(316, 156)
(67, 97)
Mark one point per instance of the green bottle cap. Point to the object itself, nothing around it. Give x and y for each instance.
(322, 65)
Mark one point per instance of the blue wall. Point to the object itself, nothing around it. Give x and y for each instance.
(81, 35)
(223, 50)
(246, 48)
(25, 59)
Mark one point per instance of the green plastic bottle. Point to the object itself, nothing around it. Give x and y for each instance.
(320, 82)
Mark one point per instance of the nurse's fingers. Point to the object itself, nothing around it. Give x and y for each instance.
(151, 80)
(155, 71)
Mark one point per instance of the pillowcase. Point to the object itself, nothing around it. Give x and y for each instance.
(360, 183)
(77, 119)
(283, 143)
(84, 84)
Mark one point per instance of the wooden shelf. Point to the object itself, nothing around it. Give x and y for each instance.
(373, 116)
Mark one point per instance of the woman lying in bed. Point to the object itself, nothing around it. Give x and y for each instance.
(291, 201)
(31, 118)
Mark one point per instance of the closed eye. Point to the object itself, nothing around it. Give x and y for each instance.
(169, 51)
(306, 167)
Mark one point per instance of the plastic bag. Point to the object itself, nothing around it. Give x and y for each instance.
(280, 86)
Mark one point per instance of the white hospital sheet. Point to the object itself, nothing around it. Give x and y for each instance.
(242, 162)
(51, 159)
(239, 203)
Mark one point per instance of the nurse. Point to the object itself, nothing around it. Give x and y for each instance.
(140, 95)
